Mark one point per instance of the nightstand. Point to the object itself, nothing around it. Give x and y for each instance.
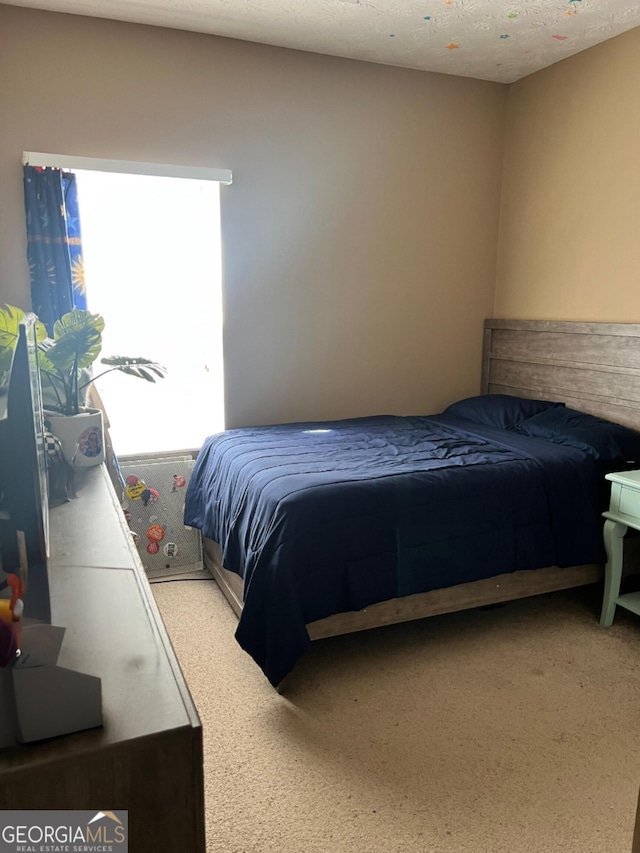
(623, 512)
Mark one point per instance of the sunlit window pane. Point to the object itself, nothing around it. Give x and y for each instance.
(153, 270)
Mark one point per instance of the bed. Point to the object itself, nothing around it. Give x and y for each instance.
(313, 530)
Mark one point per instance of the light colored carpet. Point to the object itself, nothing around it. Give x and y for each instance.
(509, 730)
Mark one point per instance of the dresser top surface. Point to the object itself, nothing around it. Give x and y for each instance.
(626, 478)
(113, 630)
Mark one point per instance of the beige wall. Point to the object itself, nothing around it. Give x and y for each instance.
(570, 218)
(360, 232)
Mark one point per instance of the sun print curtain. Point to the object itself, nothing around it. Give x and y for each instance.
(54, 244)
(74, 238)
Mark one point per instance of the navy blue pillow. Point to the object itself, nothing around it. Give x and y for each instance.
(498, 410)
(605, 441)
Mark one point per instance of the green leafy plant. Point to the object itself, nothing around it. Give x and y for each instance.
(76, 344)
(10, 318)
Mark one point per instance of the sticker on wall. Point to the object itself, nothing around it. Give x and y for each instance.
(149, 496)
(178, 482)
(134, 488)
(155, 533)
(153, 548)
(90, 442)
(171, 549)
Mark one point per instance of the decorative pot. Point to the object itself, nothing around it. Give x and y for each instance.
(81, 436)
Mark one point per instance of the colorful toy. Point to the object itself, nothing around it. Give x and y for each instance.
(11, 609)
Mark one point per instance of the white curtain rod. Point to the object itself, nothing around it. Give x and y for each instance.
(126, 167)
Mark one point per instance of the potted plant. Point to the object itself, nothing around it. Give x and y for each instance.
(64, 362)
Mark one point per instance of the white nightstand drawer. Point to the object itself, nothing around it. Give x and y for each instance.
(629, 502)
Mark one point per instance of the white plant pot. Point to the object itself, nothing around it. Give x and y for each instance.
(81, 436)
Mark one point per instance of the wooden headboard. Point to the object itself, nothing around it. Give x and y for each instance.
(592, 367)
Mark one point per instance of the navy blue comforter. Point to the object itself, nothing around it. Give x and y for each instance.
(330, 517)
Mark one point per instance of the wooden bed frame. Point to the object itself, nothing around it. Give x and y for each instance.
(592, 367)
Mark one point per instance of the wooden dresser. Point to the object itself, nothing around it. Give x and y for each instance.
(147, 758)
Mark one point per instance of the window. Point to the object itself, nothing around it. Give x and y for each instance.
(152, 266)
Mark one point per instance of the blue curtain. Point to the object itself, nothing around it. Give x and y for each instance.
(74, 238)
(54, 245)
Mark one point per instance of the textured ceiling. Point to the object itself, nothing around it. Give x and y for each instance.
(500, 40)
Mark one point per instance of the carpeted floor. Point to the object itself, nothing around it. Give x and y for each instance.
(509, 730)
